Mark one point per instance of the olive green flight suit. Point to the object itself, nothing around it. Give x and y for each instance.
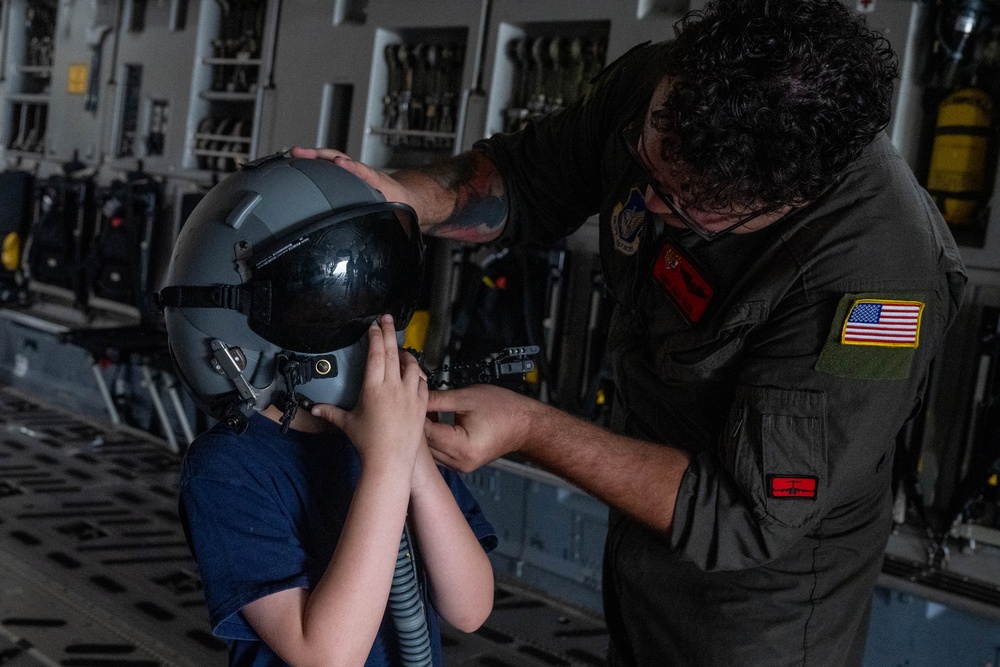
(751, 352)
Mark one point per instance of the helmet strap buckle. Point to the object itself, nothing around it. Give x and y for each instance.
(296, 370)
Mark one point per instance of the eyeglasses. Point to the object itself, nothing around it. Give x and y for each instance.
(631, 136)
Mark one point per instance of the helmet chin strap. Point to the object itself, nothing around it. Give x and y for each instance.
(293, 369)
(287, 401)
(296, 370)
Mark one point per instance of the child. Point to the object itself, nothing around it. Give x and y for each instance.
(295, 516)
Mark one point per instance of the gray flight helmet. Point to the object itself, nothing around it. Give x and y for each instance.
(274, 280)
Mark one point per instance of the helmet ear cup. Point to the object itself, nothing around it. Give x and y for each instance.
(286, 256)
(351, 360)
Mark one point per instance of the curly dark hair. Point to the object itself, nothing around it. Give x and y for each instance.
(770, 100)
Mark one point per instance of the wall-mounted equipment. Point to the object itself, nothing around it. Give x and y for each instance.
(230, 77)
(31, 42)
(547, 66)
(131, 99)
(60, 234)
(962, 98)
(117, 267)
(15, 201)
(419, 74)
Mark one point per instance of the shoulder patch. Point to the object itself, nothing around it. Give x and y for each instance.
(883, 322)
(626, 223)
(873, 336)
(793, 486)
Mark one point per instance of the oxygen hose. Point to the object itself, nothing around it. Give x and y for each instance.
(407, 610)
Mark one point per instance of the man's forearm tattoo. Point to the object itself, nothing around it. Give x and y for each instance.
(480, 208)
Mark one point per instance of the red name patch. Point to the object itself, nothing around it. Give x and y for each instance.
(686, 287)
(793, 487)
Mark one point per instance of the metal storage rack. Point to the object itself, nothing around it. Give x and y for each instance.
(233, 70)
(29, 28)
(423, 71)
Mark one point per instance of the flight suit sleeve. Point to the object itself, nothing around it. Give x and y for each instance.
(725, 518)
(806, 447)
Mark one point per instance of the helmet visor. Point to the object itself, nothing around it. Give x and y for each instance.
(329, 280)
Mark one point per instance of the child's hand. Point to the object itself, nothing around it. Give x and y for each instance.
(387, 423)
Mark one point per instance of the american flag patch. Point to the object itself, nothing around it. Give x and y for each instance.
(883, 322)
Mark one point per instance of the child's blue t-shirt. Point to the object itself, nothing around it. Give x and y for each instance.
(263, 511)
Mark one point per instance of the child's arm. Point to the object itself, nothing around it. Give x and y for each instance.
(336, 622)
(459, 571)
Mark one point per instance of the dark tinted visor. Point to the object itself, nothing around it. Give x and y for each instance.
(330, 279)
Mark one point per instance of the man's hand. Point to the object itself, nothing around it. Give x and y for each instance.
(638, 477)
(390, 188)
(461, 197)
(489, 422)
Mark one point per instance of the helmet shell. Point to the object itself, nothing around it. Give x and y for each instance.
(275, 222)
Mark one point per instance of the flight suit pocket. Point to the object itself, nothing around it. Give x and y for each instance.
(702, 352)
(776, 451)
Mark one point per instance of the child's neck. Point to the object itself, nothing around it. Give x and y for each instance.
(303, 420)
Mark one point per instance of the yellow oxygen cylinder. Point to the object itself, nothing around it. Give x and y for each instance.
(10, 257)
(957, 174)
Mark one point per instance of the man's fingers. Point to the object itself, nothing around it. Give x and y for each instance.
(441, 439)
(452, 400)
(372, 177)
(442, 458)
(317, 153)
(449, 438)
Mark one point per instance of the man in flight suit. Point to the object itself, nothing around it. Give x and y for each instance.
(781, 285)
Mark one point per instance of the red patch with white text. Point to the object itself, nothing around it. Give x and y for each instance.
(687, 288)
(793, 486)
